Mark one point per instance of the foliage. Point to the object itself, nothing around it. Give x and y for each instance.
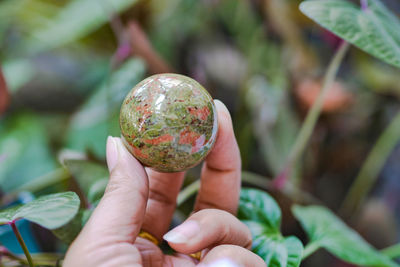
(373, 29)
(99, 116)
(326, 230)
(50, 211)
(23, 139)
(262, 215)
(66, 77)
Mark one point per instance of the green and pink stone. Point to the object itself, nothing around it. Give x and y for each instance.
(169, 122)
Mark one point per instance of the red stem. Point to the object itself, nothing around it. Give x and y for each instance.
(4, 94)
(22, 243)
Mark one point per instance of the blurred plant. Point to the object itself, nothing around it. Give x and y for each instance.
(270, 56)
(51, 211)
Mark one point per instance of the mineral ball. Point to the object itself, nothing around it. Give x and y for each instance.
(169, 122)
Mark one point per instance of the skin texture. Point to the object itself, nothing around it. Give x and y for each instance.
(143, 199)
(168, 122)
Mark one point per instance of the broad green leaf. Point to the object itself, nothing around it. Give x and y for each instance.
(68, 232)
(76, 20)
(50, 211)
(258, 206)
(99, 116)
(260, 212)
(24, 151)
(374, 30)
(92, 179)
(326, 230)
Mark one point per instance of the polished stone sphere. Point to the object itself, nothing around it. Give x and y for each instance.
(169, 122)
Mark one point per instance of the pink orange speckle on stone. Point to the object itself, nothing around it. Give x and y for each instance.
(169, 122)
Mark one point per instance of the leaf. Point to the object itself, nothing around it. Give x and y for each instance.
(260, 212)
(99, 116)
(76, 20)
(24, 151)
(92, 179)
(50, 211)
(374, 30)
(326, 230)
(86, 173)
(68, 232)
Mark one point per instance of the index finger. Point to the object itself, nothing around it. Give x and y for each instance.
(221, 172)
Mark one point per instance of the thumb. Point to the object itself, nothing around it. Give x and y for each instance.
(119, 215)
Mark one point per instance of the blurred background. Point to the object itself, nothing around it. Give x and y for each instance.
(67, 65)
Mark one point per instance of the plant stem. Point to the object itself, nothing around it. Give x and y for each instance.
(372, 166)
(186, 193)
(257, 180)
(392, 252)
(22, 243)
(4, 94)
(310, 249)
(312, 116)
(290, 191)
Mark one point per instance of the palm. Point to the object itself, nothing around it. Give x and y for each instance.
(136, 199)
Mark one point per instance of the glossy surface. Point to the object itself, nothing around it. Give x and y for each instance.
(169, 122)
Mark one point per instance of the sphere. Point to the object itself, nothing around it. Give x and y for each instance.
(169, 122)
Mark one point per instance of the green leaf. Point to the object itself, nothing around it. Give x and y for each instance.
(374, 30)
(99, 116)
(24, 150)
(50, 211)
(260, 212)
(86, 173)
(326, 230)
(68, 232)
(76, 20)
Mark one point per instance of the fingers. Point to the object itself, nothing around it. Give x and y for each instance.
(231, 256)
(163, 191)
(119, 215)
(208, 228)
(220, 181)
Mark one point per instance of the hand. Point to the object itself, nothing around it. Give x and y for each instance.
(142, 199)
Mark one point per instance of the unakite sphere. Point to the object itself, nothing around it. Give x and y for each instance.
(169, 122)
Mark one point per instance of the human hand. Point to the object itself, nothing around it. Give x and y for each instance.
(142, 199)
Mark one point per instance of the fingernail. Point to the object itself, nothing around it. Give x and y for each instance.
(221, 105)
(183, 233)
(112, 153)
(224, 262)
